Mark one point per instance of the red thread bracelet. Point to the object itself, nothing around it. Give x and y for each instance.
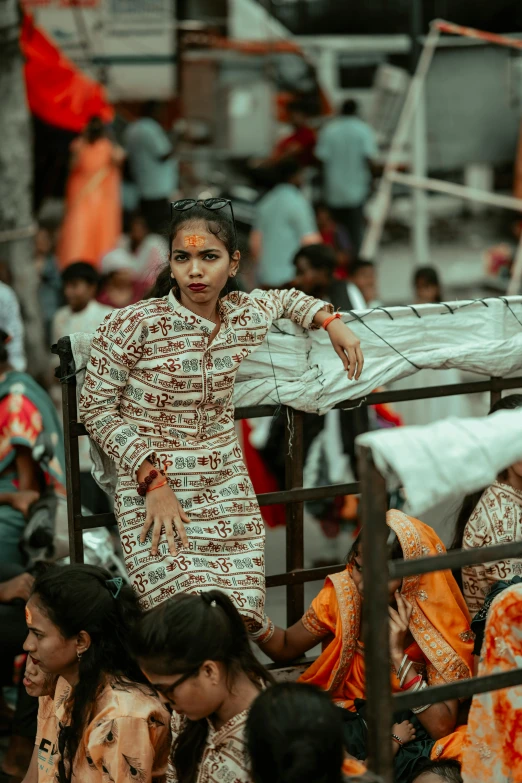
(151, 489)
(329, 320)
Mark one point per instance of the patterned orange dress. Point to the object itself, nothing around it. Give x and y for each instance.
(493, 749)
(157, 387)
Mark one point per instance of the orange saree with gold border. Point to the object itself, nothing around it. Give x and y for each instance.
(439, 625)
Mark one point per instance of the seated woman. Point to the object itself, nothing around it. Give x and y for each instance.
(492, 748)
(295, 733)
(194, 649)
(493, 516)
(104, 723)
(26, 412)
(430, 639)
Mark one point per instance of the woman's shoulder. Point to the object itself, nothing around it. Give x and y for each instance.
(135, 313)
(122, 698)
(504, 493)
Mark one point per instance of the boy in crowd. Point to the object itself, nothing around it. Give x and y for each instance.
(82, 313)
(363, 285)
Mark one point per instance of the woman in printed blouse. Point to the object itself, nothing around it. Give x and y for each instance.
(491, 516)
(27, 413)
(158, 399)
(431, 643)
(103, 723)
(194, 650)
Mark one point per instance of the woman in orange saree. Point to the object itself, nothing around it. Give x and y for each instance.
(92, 223)
(493, 749)
(430, 639)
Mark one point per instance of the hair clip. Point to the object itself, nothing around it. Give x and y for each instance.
(114, 586)
(213, 604)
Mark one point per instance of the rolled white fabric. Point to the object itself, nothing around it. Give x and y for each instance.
(448, 458)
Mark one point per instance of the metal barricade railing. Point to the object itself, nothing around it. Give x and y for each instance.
(377, 570)
(293, 496)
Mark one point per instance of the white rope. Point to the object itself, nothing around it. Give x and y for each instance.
(12, 234)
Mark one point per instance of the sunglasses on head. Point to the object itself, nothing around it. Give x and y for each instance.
(212, 204)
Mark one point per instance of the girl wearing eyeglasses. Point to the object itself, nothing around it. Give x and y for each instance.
(157, 397)
(195, 651)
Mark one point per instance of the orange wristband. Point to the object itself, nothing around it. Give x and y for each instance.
(329, 320)
(151, 489)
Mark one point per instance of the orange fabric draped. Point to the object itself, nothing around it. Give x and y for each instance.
(440, 623)
(493, 748)
(92, 224)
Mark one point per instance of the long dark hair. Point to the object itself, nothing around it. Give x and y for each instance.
(295, 733)
(81, 598)
(95, 129)
(469, 504)
(394, 548)
(218, 222)
(177, 637)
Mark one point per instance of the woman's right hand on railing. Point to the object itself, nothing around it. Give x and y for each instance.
(164, 512)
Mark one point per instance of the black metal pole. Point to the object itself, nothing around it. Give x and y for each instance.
(416, 31)
(293, 445)
(375, 616)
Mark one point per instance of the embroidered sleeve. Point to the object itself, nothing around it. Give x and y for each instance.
(129, 749)
(314, 625)
(320, 619)
(291, 304)
(116, 348)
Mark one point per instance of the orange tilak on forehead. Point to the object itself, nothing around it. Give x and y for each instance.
(194, 240)
(28, 616)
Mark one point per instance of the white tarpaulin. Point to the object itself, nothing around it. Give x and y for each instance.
(446, 459)
(300, 369)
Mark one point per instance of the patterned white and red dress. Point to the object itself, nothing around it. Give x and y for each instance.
(156, 385)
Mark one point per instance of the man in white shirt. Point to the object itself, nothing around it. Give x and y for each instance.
(11, 323)
(152, 166)
(284, 222)
(348, 148)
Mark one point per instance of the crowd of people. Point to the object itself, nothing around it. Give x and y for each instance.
(153, 676)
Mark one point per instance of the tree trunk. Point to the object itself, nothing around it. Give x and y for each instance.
(16, 166)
